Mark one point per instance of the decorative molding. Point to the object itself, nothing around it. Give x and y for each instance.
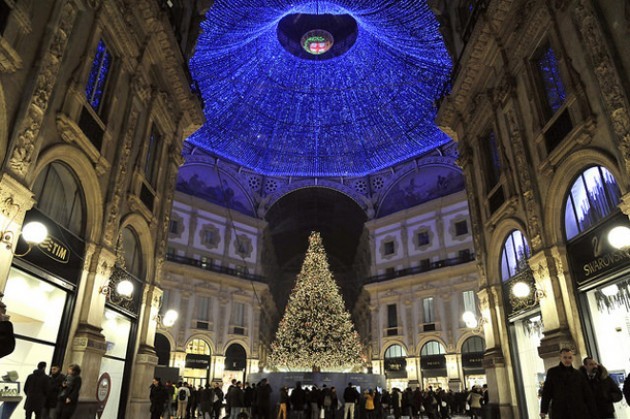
(23, 152)
(611, 87)
(10, 60)
(522, 169)
(71, 133)
(114, 204)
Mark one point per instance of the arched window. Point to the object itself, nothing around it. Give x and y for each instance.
(132, 253)
(473, 344)
(162, 349)
(395, 351)
(60, 197)
(593, 196)
(514, 255)
(395, 362)
(433, 347)
(197, 347)
(235, 358)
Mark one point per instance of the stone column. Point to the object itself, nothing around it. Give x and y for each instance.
(219, 365)
(15, 201)
(494, 361)
(453, 367)
(146, 358)
(555, 298)
(88, 344)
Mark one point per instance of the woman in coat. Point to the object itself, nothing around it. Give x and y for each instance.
(69, 395)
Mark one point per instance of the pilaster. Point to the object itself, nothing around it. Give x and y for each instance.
(15, 200)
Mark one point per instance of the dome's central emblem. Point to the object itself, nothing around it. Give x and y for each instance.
(317, 41)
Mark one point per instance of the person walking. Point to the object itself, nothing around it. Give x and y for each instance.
(69, 395)
(263, 399)
(298, 400)
(236, 399)
(168, 404)
(217, 400)
(567, 392)
(55, 381)
(605, 390)
(284, 403)
(183, 394)
(157, 397)
(36, 389)
(351, 398)
(369, 407)
(475, 399)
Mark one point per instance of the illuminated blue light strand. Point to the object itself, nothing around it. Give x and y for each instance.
(98, 75)
(351, 115)
(552, 80)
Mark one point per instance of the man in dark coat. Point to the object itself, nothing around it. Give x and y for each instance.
(55, 380)
(158, 398)
(567, 391)
(7, 337)
(298, 400)
(263, 397)
(36, 389)
(605, 390)
(217, 400)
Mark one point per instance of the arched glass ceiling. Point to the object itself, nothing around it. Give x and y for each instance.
(353, 114)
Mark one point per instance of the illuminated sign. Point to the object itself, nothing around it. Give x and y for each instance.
(591, 256)
(60, 254)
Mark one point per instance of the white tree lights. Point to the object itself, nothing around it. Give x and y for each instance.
(316, 332)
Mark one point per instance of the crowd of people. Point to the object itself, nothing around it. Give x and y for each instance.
(243, 401)
(53, 396)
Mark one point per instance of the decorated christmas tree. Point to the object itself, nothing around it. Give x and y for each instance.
(316, 332)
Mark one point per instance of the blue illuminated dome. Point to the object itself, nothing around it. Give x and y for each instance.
(363, 105)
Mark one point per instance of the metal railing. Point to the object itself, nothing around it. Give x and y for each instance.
(424, 267)
(208, 266)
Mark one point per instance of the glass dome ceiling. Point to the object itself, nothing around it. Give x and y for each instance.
(357, 111)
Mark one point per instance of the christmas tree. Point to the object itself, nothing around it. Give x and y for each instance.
(316, 331)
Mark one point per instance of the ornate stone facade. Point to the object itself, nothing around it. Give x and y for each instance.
(49, 123)
(538, 161)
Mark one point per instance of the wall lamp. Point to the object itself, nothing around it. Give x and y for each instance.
(168, 319)
(33, 233)
(123, 290)
(474, 323)
(528, 297)
(619, 237)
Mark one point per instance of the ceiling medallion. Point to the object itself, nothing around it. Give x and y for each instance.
(317, 41)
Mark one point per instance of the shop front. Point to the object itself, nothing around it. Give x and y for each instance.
(395, 367)
(40, 295)
(123, 295)
(433, 365)
(197, 363)
(602, 275)
(472, 362)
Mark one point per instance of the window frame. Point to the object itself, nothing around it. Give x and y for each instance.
(544, 107)
(103, 99)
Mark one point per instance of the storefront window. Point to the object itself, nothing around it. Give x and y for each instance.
(528, 334)
(197, 369)
(472, 361)
(116, 329)
(609, 308)
(593, 196)
(514, 255)
(36, 309)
